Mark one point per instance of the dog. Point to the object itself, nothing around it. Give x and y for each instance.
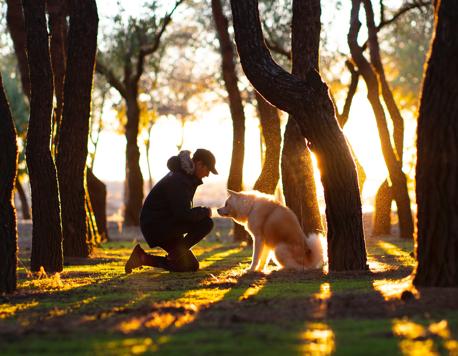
(275, 231)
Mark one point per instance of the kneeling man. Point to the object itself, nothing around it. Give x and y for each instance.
(169, 220)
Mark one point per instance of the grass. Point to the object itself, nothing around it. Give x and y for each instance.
(94, 308)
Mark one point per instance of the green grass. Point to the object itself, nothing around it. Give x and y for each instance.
(95, 308)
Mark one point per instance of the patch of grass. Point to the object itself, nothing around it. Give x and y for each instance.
(92, 307)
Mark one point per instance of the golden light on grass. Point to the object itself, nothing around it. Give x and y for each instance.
(253, 289)
(8, 310)
(393, 288)
(322, 297)
(318, 339)
(133, 346)
(402, 256)
(377, 266)
(417, 339)
(219, 256)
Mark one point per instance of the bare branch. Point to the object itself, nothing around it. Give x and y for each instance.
(110, 77)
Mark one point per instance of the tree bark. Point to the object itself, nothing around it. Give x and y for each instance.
(437, 162)
(23, 198)
(16, 26)
(98, 195)
(134, 179)
(46, 232)
(309, 103)
(298, 177)
(8, 167)
(270, 125)
(72, 148)
(235, 179)
(382, 211)
(58, 10)
(394, 165)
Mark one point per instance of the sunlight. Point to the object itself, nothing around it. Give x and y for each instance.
(322, 296)
(253, 289)
(416, 339)
(318, 339)
(218, 256)
(393, 288)
(134, 346)
(402, 256)
(8, 310)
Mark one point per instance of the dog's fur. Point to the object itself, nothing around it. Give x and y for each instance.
(275, 230)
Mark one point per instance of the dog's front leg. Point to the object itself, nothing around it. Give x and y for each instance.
(257, 251)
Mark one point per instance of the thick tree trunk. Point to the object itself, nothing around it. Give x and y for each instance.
(98, 197)
(298, 180)
(235, 179)
(72, 148)
(437, 162)
(394, 165)
(46, 232)
(133, 193)
(23, 198)
(16, 26)
(8, 167)
(309, 103)
(270, 125)
(297, 169)
(382, 211)
(58, 10)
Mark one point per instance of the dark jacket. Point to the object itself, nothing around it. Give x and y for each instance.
(170, 200)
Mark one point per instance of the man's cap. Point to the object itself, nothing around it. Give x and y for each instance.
(207, 158)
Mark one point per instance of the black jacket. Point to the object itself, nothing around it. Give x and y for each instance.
(170, 200)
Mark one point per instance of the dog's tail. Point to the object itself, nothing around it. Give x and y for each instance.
(315, 243)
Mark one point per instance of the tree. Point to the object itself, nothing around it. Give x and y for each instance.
(437, 162)
(270, 126)
(393, 160)
(8, 167)
(297, 168)
(123, 65)
(308, 102)
(235, 179)
(46, 233)
(74, 128)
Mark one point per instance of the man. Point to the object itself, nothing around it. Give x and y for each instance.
(169, 220)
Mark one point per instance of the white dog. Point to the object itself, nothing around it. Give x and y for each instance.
(275, 230)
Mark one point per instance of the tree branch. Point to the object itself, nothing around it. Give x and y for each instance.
(110, 77)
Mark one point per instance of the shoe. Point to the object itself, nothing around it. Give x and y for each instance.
(135, 259)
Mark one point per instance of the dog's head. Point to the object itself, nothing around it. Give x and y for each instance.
(237, 206)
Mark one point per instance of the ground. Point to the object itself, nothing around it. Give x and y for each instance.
(93, 307)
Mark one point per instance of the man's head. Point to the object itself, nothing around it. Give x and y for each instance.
(204, 162)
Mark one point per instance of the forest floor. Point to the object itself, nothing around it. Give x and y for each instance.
(93, 307)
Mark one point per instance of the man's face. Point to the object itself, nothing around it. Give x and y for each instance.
(201, 170)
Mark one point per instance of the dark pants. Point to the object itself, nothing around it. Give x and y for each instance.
(177, 239)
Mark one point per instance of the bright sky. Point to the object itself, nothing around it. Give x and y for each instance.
(213, 129)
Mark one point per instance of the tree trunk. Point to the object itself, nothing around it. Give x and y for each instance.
(309, 104)
(394, 165)
(235, 104)
(23, 198)
(57, 10)
(270, 125)
(98, 197)
(46, 232)
(133, 194)
(72, 148)
(398, 122)
(382, 211)
(297, 169)
(16, 26)
(298, 180)
(437, 162)
(8, 167)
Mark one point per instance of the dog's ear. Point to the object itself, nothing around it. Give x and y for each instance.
(231, 192)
